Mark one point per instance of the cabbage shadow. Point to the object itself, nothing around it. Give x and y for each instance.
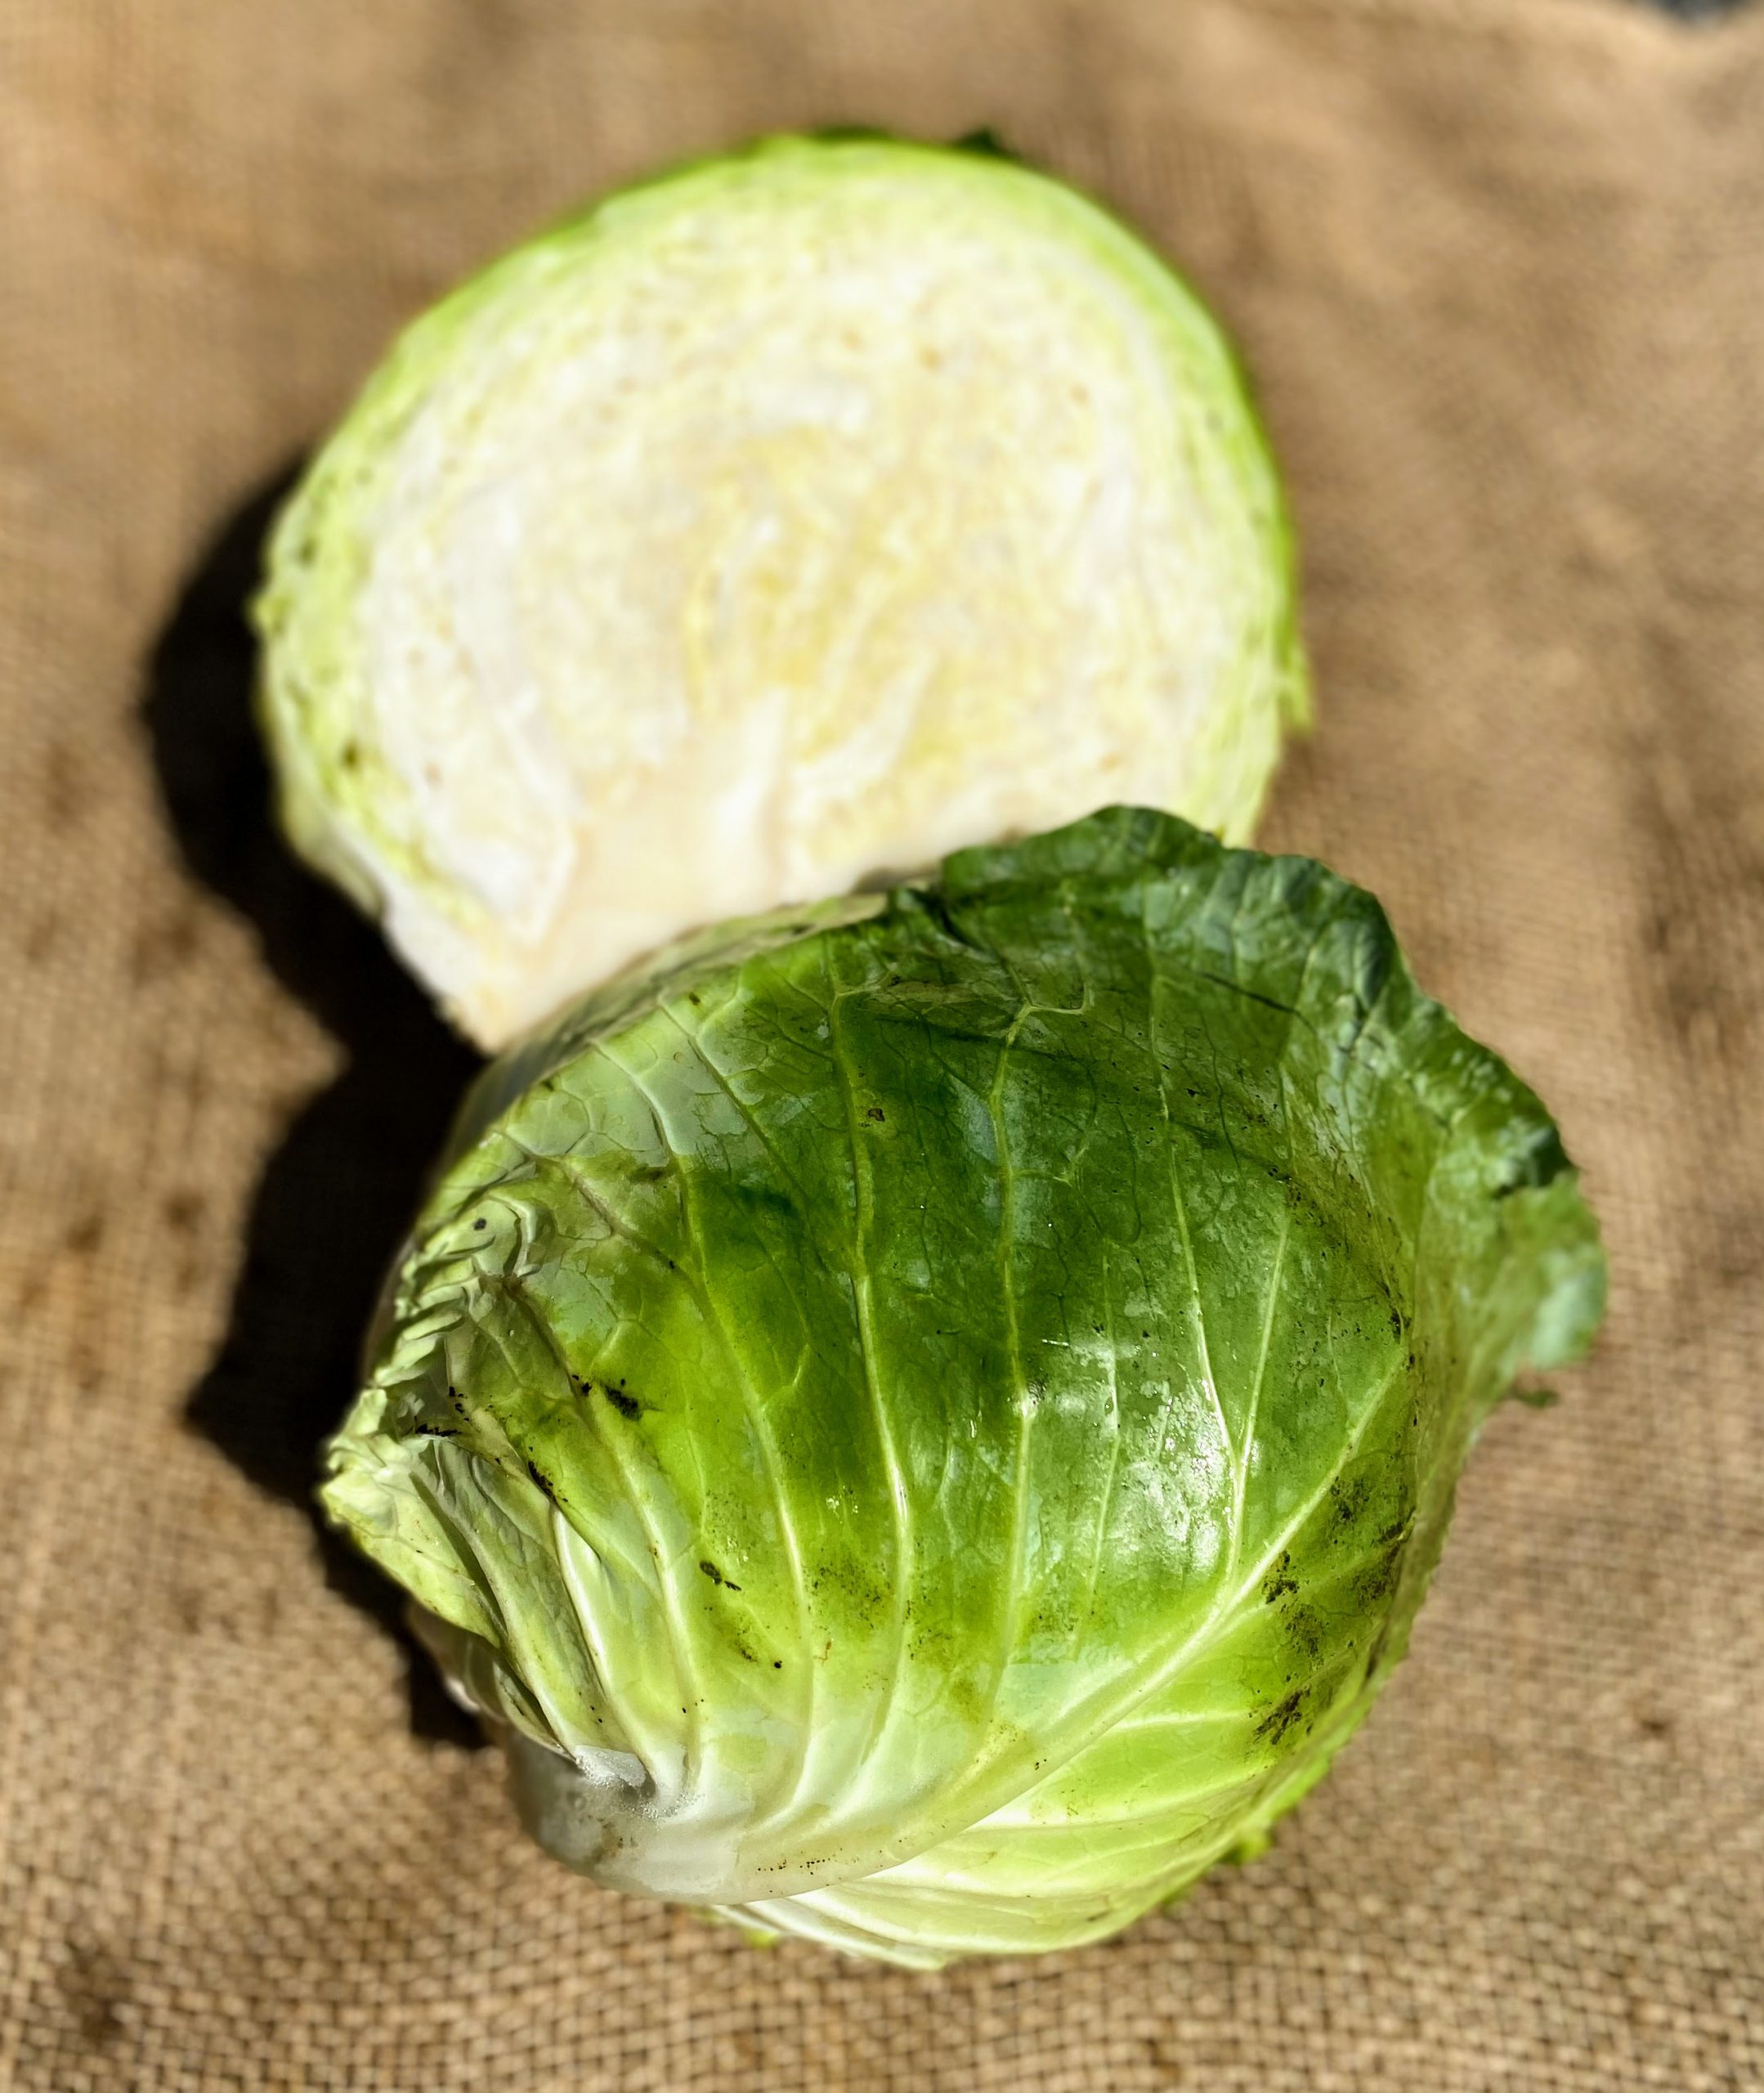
(339, 1191)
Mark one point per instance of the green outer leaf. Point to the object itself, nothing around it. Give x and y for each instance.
(929, 1420)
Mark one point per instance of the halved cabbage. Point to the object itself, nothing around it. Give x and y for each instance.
(807, 513)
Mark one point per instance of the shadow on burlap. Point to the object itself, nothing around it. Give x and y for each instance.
(1496, 265)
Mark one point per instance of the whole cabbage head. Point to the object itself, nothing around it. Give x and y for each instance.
(810, 510)
(924, 1421)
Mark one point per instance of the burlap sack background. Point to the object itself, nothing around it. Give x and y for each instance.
(1499, 267)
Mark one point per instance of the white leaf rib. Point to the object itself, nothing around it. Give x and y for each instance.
(666, 1562)
(1025, 1405)
(1248, 1445)
(861, 1293)
(1178, 1200)
(1114, 1450)
(649, 1747)
(754, 1409)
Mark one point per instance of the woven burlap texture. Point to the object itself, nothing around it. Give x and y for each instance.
(1496, 266)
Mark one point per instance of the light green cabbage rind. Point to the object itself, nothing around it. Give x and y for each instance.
(926, 1422)
(901, 496)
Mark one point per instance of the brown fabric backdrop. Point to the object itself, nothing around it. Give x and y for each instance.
(1498, 266)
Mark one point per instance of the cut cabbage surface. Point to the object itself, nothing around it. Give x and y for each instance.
(791, 519)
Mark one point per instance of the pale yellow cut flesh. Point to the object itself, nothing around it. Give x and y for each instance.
(789, 522)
